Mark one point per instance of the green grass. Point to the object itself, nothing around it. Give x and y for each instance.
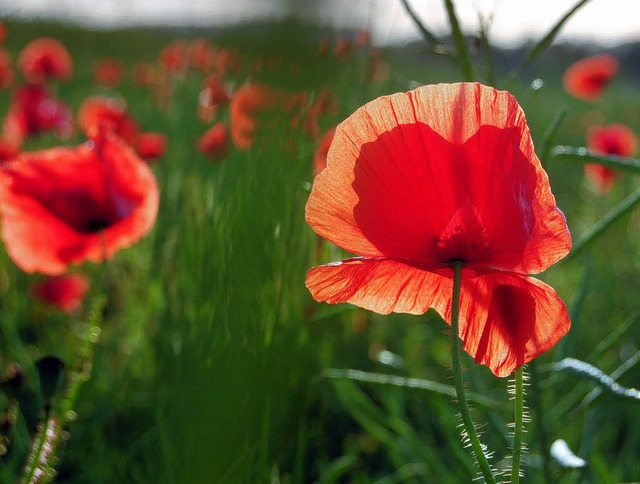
(209, 366)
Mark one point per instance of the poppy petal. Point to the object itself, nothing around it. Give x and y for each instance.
(66, 205)
(440, 173)
(507, 319)
(380, 285)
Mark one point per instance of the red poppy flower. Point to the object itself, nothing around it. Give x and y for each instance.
(64, 206)
(108, 72)
(43, 59)
(201, 54)
(3, 33)
(34, 110)
(174, 57)
(151, 145)
(65, 292)
(416, 181)
(6, 69)
(215, 142)
(252, 99)
(112, 112)
(144, 74)
(588, 78)
(320, 154)
(615, 139)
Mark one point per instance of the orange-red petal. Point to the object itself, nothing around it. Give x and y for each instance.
(507, 319)
(587, 78)
(380, 285)
(67, 205)
(440, 173)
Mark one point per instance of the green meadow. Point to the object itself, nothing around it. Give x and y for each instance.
(199, 355)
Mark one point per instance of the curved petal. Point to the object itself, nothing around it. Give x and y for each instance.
(380, 285)
(440, 173)
(62, 206)
(509, 319)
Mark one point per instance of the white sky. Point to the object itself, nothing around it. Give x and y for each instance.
(605, 21)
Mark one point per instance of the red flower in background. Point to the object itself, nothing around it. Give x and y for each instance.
(64, 206)
(34, 110)
(97, 111)
(151, 146)
(416, 181)
(108, 72)
(3, 33)
(212, 96)
(588, 78)
(253, 99)
(174, 57)
(215, 142)
(6, 69)
(44, 59)
(144, 74)
(614, 139)
(65, 292)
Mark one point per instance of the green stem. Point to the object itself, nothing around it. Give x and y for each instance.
(460, 42)
(481, 458)
(517, 431)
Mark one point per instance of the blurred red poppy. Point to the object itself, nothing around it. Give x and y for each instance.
(64, 206)
(445, 173)
(65, 292)
(108, 72)
(112, 112)
(201, 54)
(151, 146)
(144, 74)
(6, 69)
(215, 142)
(3, 33)
(614, 139)
(34, 110)
(253, 99)
(212, 96)
(320, 154)
(588, 78)
(43, 59)
(174, 57)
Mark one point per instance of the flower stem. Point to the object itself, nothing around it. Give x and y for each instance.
(481, 458)
(517, 431)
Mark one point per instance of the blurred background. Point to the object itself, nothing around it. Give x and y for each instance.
(605, 22)
(212, 363)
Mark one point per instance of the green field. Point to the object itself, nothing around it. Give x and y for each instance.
(214, 364)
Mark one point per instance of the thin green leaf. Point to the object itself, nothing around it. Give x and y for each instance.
(543, 43)
(427, 34)
(421, 384)
(584, 155)
(605, 222)
(460, 43)
(621, 370)
(590, 372)
(561, 452)
(549, 134)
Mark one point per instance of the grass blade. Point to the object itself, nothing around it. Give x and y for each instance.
(464, 60)
(427, 34)
(609, 219)
(543, 43)
(590, 372)
(584, 155)
(421, 384)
